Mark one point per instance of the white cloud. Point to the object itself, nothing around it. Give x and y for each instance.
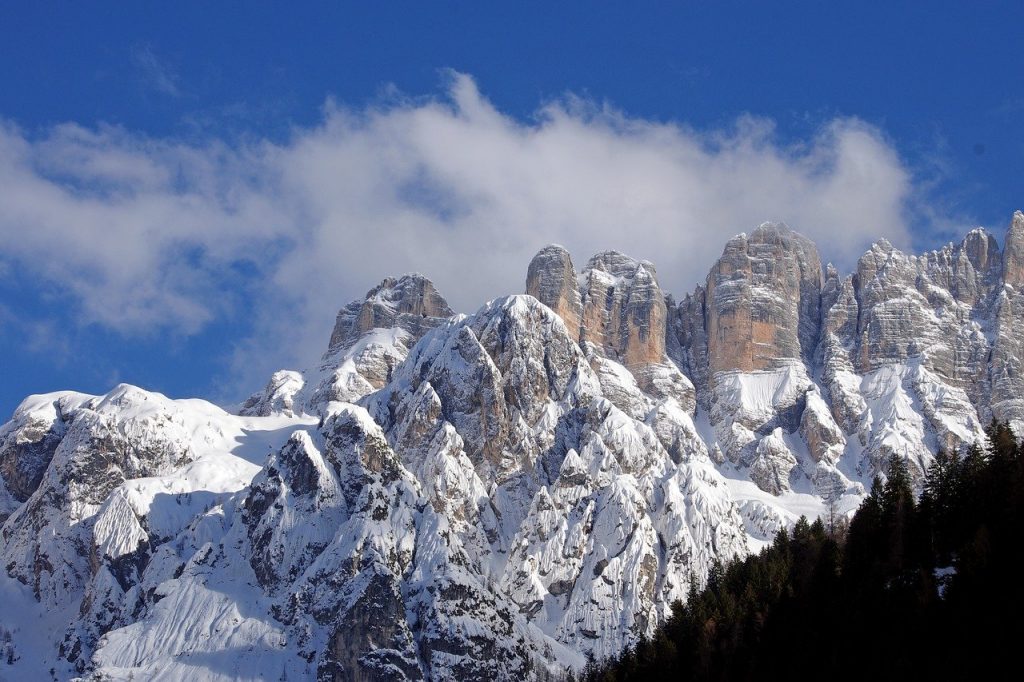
(146, 234)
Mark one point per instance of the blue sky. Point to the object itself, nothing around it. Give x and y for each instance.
(187, 197)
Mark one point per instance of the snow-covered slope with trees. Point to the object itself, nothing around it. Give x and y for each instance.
(496, 495)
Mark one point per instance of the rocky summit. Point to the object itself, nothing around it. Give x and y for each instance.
(500, 495)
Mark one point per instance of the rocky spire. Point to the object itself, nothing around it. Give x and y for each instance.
(624, 311)
(1013, 253)
(1006, 378)
(551, 279)
(359, 359)
(410, 302)
(763, 300)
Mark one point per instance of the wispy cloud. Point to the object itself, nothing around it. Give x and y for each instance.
(40, 336)
(154, 234)
(155, 72)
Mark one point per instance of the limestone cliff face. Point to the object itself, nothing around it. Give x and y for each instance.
(913, 306)
(410, 302)
(969, 270)
(618, 313)
(616, 304)
(904, 339)
(906, 330)
(371, 337)
(625, 319)
(908, 353)
(763, 301)
(835, 352)
(624, 310)
(744, 340)
(687, 342)
(1006, 370)
(1013, 255)
(551, 279)
(927, 314)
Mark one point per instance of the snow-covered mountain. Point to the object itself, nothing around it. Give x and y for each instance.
(498, 495)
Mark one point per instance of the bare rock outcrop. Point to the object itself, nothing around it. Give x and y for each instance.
(927, 345)
(1006, 370)
(625, 318)
(371, 338)
(687, 342)
(763, 301)
(624, 311)
(1013, 253)
(410, 302)
(551, 279)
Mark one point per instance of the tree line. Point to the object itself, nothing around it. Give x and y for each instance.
(926, 587)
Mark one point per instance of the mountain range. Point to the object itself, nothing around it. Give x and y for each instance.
(498, 495)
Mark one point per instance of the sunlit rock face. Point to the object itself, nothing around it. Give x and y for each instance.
(906, 341)
(410, 302)
(371, 337)
(1013, 255)
(551, 279)
(1006, 373)
(624, 310)
(907, 354)
(763, 301)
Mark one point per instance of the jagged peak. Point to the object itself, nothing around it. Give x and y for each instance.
(981, 248)
(978, 245)
(877, 257)
(736, 240)
(412, 295)
(770, 232)
(552, 248)
(1013, 251)
(975, 236)
(553, 280)
(516, 306)
(511, 303)
(699, 290)
(1015, 232)
(644, 272)
(776, 226)
(1016, 229)
(619, 265)
(883, 245)
(414, 276)
(408, 292)
(277, 396)
(978, 232)
(766, 227)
